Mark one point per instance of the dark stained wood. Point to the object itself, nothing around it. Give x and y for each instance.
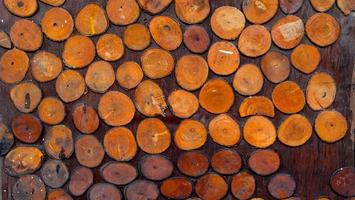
(311, 164)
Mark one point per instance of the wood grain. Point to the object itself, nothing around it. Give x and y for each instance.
(311, 164)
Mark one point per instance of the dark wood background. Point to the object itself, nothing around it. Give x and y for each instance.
(311, 164)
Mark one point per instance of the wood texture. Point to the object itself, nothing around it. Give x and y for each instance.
(311, 164)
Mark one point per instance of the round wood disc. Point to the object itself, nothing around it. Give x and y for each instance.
(305, 58)
(142, 188)
(156, 167)
(116, 109)
(22, 8)
(149, 99)
(89, 151)
(295, 130)
(243, 185)
(157, 63)
(26, 128)
(275, 66)
(196, 39)
(6, 139)
(176, 188)
(153, 136)
(104, 191)
(248, 80)
(193, 163)
(288, 32)
(80, 180)
(26, 35)
(45, 66)
(259, 132)
(154, 7)
(192, 11)
(118, 173)
(288, 97)
(58, 194)
(322, 5)
(70, 85)
(26, 96)
(100, 76)
(191, 72)
(51, 110)
(54, 173)
(129, 74)
(254, 41)
(281, 186)
(330, 126)
(23, 160)
(110, 47)
(136, 37)
(322, 29)
(122, 12)
(224, 130)
(5, 40)
(59, 142)
(120, 144)
(264, 162)
(85, 118)
(290, 6)
(166, 32)
(321, 91)
(53, 2)
(14, 64)
(346, 6)
(91, 20)
(57, 24)
(183, 104)
(223, 58)
(256, 105)
(260, 11)
(343, 181)
(226, 161)
(190, 134)
(29, 187)
(211, 187)
(227, 22)
(78, 52)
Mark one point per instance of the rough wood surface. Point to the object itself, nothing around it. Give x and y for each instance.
(311, 164)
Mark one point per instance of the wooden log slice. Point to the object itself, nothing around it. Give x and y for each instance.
(226, 161)
(26, 96)
(223, 58)
(183, 104)
(100, 76)
(227, 22)
(176, 188)
(305, 58)
(211, 187)
(142, 189)
(259, 132)
(288, 97)
(21, 8)
(104, 191)
(110, 47)
(70, 85)
(166, 32)
(45, 66)
(51, 110)
(248, 80)
(53, 2)
(260, 11)
(331, 126)
(57, 24)
(192, 11)
(85, 118)
(343, 180)
(190, 134)
(89, 151)
(264, 162)
(120, 144)
(122, 12)
(153, 136)
(157, 63)
(282, 186)
(149, 99)
(91, 20)
(14, 65)
(26, 35)
(256, 105)
(78, 52)
(196, 39)
(288, 32)
(54, 173)
(23, 160)
(156, 167)
(322, 5)
(346, 6)
(254, 41)
(290, 6)
(58, 194)
(118, 173)
(295, 131)
(129, 74)
(80, 180)
(154, 6)
(224, 130)
(29, 187)
(216, 96)
(116, 109)
(275, 66)
(27, 128)
(59, 142)
(193, 163)
(5, 40)
(6, 139)
(136, 37)
(321, 91)
(322, 29)
(243, 185)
